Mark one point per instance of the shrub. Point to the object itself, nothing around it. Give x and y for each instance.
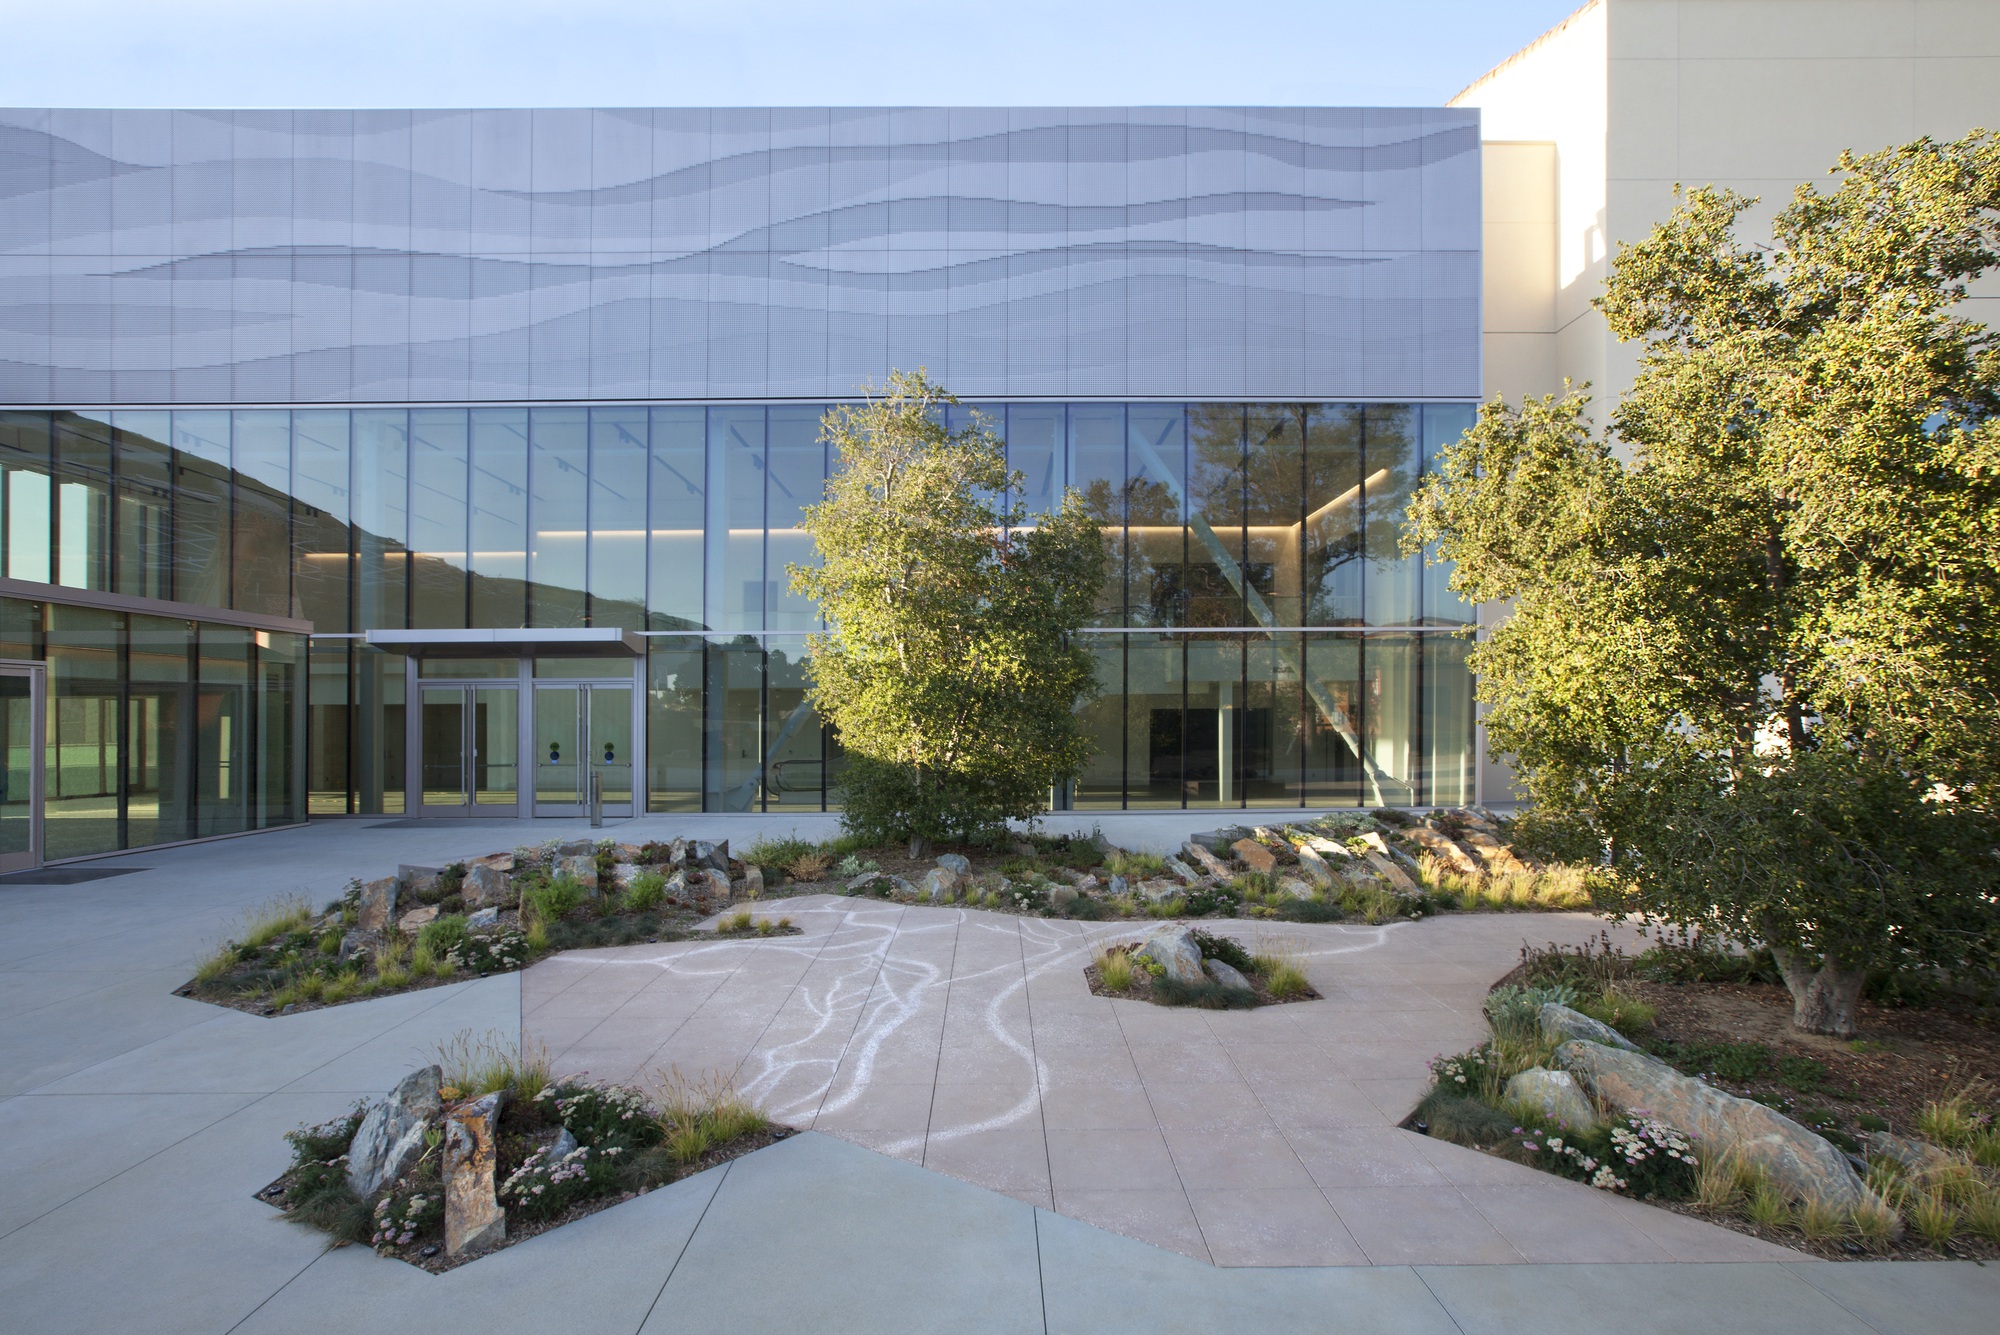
(1135, 866)
(1372, 904)
(1204, 900)
(697, 1114)
(1619, 1009)
(809, 866)
(1517, 1011)
(601, 1114)
(550, 900)
(648, 888)
(1223, 948)
(442, 935)
(544, 1185)
(1203, 995)
(1316, 909)
(778, 854)
(1114, 968)
(489, 952)
(1801, 1074)
(852, 865)
(407, 1215)
(1463, 1120)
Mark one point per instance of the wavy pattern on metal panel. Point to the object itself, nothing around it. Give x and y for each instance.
(390, 256)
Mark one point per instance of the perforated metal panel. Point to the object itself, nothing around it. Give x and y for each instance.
(385, 256)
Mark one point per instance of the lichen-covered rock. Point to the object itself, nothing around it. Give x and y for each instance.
(1185, 874)
(1116, 886)
(483, 918)
(1914, 1155)
(418, 880)
(485, 884)
(576, 848)
(1560, 1023)
(1553, 1094)
(1255, 856)
(1398, 879)
(1225, 975)
(1176, 952)
(1313, 864)
(1800, 1163)
(715, 857)
(473, 1219)
(502, 862)
(378, 905)
(1199, 856)
(417, 918)
(940, 883)
(579, 868)
(391, 1134)
(1295, 887)
(955, 862)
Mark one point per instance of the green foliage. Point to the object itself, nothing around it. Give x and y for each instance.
(442, 935)
(550, 900)
(1203, 995)
(1316, 909)
(648, 888)
(1223, 948)
(952, 669)
(1751, 627)
(1203, 900)
(777, 854)
(1517, 1011)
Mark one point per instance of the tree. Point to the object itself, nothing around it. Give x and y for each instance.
(1767, 588)
(951, 667)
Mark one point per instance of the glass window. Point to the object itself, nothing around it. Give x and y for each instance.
(438, 518)
(328, 790)
(674, 724)
(142, 564)
(381, 518)
(1154, 707)
(1444, 423)
(262, 534)
(222, 721)
(1270, 732)
(83, 500)
(677, 507)
(558, 515)
(1333, 515)
(618, 517)
(1097, 470)
(1394, 461)
(1155, 482)
(500, 517)
(1274, 507)
(80, 771)
(201, 508)
(1102, 783)
(1450, 754)
(378, 744)
(735, 731)
(1212, 730)
(24, 496)
(1390, 684)
(160, 711)
(20, 629)
(794, 756)
(321, 508)
(1215, 515)
(593, 669)
(275, 723)
(1331, 721)
(1035, 451)
(736, 519)
(797, 479)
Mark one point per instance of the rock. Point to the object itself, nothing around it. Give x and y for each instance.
(1914, 1155)
(1062, 897)
(579, 868)
(1328, 848)
(1315, 868)
(677, 852)
(485, 884)
(1086, 883)
(920, 847)
(1157, 888)
(1802, 1164)
(489, 917)
(1499, 859)
(1294, 887)
(1177, 953)
(1102, 844)
(416, 918)
(1374, 839)
(1255, 856)
(378, 905)
(715, 889)
(1441, 847)
(565, 1144)
(497, 861)
(900, 888)
(473, 1219)
(1226, 975)
(863, 881)
(627, 872)
(1201, 857)
(1553, 1094)
(576, 848)
(417, 880)
(1117, 886)
(940, 883)
(676, 887)
(626, 852)
(350, 942)
(1397, 878)
(1024, 849)
(1560, 1023)
(955, 862)
(1185, 874)
(752, 884)
(701, 853)
(391, 1135)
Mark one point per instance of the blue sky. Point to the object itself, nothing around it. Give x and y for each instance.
(433, 53)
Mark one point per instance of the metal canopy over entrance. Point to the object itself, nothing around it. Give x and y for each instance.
(522, 722)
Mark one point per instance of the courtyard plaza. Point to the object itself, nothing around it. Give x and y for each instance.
(987, 1146)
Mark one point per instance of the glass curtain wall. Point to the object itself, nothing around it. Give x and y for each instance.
(1261, 639)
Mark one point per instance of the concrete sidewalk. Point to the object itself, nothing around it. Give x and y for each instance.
(135, 1126)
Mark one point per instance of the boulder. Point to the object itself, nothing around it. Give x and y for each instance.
(485, 884)
(715, 857)
(1157, 888)
(1397, 878)
(1177, 953)
(955, 862)
(1329, 849)
(1182, 872)
(497, 861)
(752, 884)
(488, 917)
(863, 881)
(676, 888)
(378, 905)
(579, 868)
(1218, 841)
(1226, 975)
(1315, 868)
(1086, 883)
(1024, 849)
(1914, 1155)
(1498, 859)
(565, 1144)
(627, 872)
(1206, 861)
(416, 918)
(900, 888)
(1295, 887)
(714, 888)
(1441, 846)
(1117, 886)
(391, 1135)
(1800, 1163)
(473, 1219)
(941, 883)
(576, 848)
(1255, 856)
(418, 880)
(1062, 896)
(351, 941)
(1560, 1024)
(677, 852)
(1553, 1094)
(1102, 844)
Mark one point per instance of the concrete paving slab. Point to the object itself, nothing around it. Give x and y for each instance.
(1637, 1300)
(1912, 1297)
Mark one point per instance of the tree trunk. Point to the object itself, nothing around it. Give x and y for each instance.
(1824, 995)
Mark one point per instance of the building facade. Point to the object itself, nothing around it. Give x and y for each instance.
(491, 429)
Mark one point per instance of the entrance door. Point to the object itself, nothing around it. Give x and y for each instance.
(20, 769)
(469, 748)
(583, 732)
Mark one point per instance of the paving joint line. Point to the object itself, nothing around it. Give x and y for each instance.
(1449, 1315)
(686, 1243)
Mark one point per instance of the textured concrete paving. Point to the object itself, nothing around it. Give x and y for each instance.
(135, 1126)
(968, 1041)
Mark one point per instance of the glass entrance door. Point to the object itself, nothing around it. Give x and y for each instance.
(21, 777)
(583, 733)
(469, 748)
